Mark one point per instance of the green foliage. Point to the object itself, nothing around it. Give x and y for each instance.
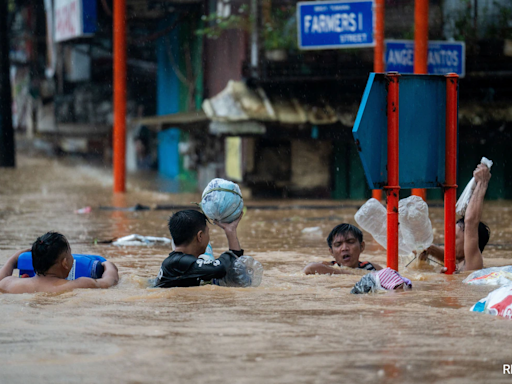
(279, 32)
(215, 24)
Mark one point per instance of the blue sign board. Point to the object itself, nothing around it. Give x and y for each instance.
(335, 24)
(422, 129)
(443, 57)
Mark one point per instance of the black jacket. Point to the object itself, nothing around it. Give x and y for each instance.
(183, 270)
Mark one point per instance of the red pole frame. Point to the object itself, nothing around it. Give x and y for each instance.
(378, 57)
(119, 137)
(450, 188)
(420, 55)
(392, 188)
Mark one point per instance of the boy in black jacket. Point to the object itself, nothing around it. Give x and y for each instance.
(191, 235)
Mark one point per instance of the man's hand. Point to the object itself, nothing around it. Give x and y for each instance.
(229, 227)
(230, 231)
(482, 174)
(11, 264)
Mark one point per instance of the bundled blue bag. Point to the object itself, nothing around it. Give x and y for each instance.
(83, 266)
(222, 200)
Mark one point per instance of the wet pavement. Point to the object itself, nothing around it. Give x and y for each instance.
(292, 329)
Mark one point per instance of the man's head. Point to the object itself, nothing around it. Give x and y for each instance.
(188, 227)
(51, 249)
(484, 233)
(346, 244)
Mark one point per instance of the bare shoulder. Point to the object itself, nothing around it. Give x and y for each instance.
(13, 284)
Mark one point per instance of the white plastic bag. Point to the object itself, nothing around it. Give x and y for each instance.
(463, 202)
(490, 276)
(497, 303)
(135, 239)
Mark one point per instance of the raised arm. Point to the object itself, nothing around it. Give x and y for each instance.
(11, 265)
(472, 253)
(231, 235)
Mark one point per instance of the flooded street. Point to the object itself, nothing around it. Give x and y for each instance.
(292, 329)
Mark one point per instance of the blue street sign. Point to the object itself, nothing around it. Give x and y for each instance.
(335, 24)
(422, 129)
(443, 57)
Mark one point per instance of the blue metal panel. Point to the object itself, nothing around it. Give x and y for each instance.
(370, 131)
(422, 121)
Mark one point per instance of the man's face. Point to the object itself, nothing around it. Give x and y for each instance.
(346, 250)
(459, 242)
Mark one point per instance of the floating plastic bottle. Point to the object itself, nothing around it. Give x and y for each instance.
(222, 200)
(415, 225)
(208, 254)
(244, 272)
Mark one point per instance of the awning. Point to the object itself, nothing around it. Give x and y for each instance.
(238, 103)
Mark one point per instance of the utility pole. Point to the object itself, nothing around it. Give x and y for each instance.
(7, 150)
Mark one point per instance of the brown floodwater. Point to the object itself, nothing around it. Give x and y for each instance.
(292, 329)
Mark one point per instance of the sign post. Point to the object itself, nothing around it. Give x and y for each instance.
(74, 18)
(421, 154)
(335, 24)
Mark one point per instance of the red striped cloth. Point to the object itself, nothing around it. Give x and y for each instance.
(390, 279)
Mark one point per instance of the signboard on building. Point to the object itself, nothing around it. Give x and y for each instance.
(443, 57)
(335, 24)
(74, 18)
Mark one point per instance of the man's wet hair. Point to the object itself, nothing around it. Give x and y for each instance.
(344, 229)
(484, 233)
(184, 225)
(46, 251)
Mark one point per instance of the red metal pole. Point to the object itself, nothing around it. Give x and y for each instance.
(392, 188)
(378, 51)
(420, 54)
(378, 57)
(450, 188)
(421, 36)
(119, 95)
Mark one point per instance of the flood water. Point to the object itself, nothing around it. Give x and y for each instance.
(292, 329)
